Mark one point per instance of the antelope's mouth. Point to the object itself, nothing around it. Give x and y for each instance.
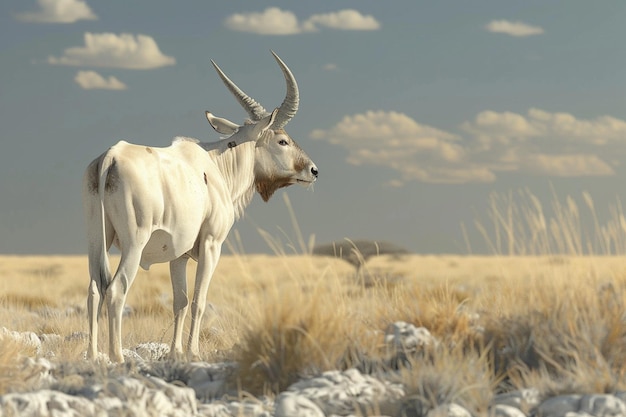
(302, 182)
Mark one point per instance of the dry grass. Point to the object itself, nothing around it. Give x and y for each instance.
(12, 375)
(552, 320)
(523, 319)
(518, 321)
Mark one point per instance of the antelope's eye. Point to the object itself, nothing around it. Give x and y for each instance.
(282, 142)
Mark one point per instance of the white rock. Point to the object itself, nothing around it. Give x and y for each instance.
(38, 371)
(50, 338)
(524, 399)
(150, 397)
(215, 409)
(350, 392)
(504, 410)
(28, 339)
(559, 406)
(131, 355)
(182, 396)
(207, 379)
(404, 336)
(449, 410)
(602, 405)
(109, 403)
(248, 409)
(46, 403)
(120, 396)
(152, 351)
(621, 395)
(289, 404)
(125, 388)
(354, 415)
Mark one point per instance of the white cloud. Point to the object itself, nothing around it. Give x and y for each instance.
(397, 128)
(576, 165)
(506, 128)
(599, 131)
(91, 80)
(274, 21)
(58, 11)
(394, 140)
(539, 143)
(115, 51)
(348, 19)
(517, 29)
(544, 143)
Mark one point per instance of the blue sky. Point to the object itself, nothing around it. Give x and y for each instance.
(414, 111)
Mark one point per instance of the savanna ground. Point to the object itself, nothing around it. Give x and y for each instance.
(555, 322)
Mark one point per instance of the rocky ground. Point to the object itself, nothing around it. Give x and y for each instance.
(150, 385)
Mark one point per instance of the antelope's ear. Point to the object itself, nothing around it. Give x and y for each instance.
(221, 125)
(265, 123)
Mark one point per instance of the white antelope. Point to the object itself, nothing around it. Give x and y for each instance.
(179, 202)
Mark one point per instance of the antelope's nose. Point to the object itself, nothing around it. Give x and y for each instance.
(314, 171)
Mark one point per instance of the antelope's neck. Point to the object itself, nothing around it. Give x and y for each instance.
(236, 164)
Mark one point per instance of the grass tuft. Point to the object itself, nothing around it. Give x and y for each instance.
(13, 376)
(295, 333)
(451, 375)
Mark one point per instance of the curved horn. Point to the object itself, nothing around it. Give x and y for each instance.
(254, 109)
(289, 107)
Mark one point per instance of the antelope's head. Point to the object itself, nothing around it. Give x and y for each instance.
(279, 160)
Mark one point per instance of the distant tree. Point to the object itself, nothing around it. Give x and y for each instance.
(357, 252)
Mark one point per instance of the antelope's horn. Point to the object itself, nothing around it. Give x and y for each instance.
(254, 109)
(289, 107)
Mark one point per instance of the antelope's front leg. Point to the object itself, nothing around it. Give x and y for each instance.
(209, 255)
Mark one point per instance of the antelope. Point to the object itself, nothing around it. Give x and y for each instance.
(170, 204)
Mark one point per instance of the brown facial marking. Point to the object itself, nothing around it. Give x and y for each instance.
(299, 164)
(148, 150)
(267, 186)
(206, 181)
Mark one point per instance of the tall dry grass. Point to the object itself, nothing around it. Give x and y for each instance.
(519, 224)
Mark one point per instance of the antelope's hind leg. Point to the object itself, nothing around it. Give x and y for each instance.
(116, 294)
(178, 273)
(95, 297)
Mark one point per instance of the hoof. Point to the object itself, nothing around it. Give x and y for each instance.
(177, 356)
